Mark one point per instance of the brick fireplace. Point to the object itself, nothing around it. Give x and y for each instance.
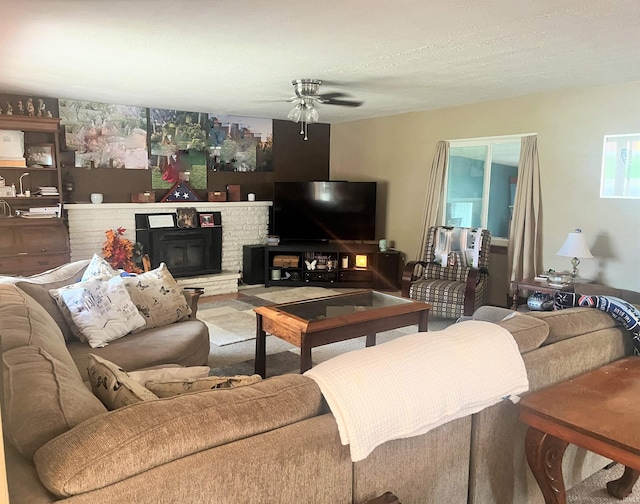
(244, 223)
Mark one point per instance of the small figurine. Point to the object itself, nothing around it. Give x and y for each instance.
(31, 110)
(20, 107)
(9, 109)
(41, 107)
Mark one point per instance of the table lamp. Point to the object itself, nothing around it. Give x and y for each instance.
(575, 246)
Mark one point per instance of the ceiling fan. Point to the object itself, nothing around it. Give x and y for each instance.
(305, 111)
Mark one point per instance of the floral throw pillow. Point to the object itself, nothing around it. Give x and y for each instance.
(102, 310)
(99, 268)
(157, 296)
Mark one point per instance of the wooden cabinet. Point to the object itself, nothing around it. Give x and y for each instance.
(33, 245)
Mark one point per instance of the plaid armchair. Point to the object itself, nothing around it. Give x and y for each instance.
(452, 291)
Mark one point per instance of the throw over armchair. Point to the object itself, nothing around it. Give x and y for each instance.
(455, 270)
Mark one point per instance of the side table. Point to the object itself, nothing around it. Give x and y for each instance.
(192, 294)
(536, 286)
(598, 411)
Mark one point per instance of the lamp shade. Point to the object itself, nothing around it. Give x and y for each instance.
(575, 246)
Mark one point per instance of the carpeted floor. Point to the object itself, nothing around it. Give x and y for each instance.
(593, 490)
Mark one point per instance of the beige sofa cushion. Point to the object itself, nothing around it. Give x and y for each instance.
(529, 332)
(169, 372)
(69, 272)
(572, 322)
(41, 294)
(43, 398)
(113, 386)
(24, 322)
(185, 343)
(170, 388)
(107, 449)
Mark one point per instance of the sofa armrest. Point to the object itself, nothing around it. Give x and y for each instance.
(110, 447)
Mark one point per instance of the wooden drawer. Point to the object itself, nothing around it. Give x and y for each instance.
(43, 239)
(29, 264)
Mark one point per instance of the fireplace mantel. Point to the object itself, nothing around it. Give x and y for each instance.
(243, 223)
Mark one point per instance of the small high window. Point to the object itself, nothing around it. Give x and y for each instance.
(621, 166)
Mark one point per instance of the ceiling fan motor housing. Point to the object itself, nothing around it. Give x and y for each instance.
(306, 87)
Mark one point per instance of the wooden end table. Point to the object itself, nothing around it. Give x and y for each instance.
(315, 322)
(598, 411)
(531, 284)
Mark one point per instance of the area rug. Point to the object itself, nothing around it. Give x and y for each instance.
(233, 320)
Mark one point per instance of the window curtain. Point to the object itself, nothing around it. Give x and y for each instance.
(525, 234)
(435, 183)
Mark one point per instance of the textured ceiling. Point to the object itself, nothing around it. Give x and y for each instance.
(239, 57)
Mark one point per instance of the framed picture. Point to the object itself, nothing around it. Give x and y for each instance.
(161, 221)
(206, 220)
(40, 154)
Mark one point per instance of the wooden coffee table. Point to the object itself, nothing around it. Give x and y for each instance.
(311, 323)
(598, 411)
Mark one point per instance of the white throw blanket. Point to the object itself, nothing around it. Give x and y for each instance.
(417, 382)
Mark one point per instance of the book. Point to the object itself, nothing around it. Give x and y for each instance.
(13, 162)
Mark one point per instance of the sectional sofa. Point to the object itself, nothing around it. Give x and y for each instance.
(273, 441)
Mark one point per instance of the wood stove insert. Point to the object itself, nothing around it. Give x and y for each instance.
(185, 251)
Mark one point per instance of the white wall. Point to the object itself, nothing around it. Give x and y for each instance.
(398, 150)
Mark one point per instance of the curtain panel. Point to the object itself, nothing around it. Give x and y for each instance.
(435, 183)
(525, 233)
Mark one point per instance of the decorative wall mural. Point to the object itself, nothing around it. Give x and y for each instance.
(178, 143)
(105, 135)
(242, 144)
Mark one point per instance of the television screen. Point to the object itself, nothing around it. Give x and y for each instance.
(333, 210)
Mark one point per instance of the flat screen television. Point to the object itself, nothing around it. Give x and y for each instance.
(326, 211)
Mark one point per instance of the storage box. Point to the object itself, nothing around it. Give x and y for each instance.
(217, 196)
(233, 192)
(286, 261)
(143, 197)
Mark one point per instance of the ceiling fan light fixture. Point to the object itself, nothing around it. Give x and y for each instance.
(295, 114)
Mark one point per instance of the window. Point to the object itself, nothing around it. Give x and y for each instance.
(620, 166)
(480, 184)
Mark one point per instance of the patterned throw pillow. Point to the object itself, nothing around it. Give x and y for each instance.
(157, 296)
(174, 387)
(99, 268)
(101, 310)
(113, 386)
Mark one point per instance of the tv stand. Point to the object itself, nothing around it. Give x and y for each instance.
(327, 264)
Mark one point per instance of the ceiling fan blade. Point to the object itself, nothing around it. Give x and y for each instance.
(331, 96)
(343, 103)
